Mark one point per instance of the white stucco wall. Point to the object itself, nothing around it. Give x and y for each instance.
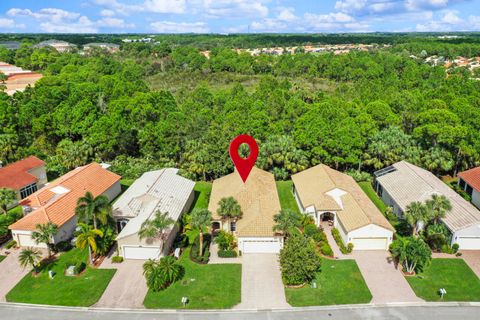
(113, 191)
(476, 198)
(297, 198)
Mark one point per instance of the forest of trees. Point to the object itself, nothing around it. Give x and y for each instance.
(379, 107)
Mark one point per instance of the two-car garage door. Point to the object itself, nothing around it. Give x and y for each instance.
(469, 243)
(258, 245)
(369, 243)
(141, 253)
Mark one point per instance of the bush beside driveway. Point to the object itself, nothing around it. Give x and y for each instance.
(454, 275)
(338, 282)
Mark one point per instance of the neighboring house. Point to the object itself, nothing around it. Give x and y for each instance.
(163, 190)
(327, 194)
(56, 202)
(25, 176)
(17, 78)
(469, 181)
(59, 45)
(403, 183)
(259, 202)
(10, 45)
(110, 47)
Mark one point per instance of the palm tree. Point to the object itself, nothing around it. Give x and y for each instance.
(156, 228)
(7, 197)
(229, 208)
(200, 220)
(286, 221)
(44, 233)
(87, 238)
(30, 257)
(93, 208)
(415, 212)
(438, 207)
(160, 274)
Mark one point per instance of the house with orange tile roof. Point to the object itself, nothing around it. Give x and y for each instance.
(25, 176)
(56, 202)
(469, 181)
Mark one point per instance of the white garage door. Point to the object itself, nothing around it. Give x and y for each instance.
(369, 243)
(141, 253)
(469, 243)
(261, 246)
(25, 240)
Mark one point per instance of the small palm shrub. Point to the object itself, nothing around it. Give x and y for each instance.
(162, 273)
(225, 240)
(117, 259)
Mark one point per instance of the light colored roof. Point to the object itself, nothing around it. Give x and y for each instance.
(16, 175)
(258, 199)
(407, 183)
(162, 190)
(56, 202)
(54, 42)
(330, 190)
(101, 44)
(472, 177)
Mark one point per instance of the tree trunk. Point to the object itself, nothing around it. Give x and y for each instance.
(200, 236)
(90, 259)
(94, 221)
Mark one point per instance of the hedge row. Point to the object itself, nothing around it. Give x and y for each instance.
(339, 241)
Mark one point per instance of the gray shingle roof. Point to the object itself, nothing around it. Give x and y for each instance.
(408, 183)
(161, 190)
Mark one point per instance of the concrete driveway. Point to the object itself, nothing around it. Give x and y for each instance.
(10, 272)
(386, 283)
(127, 288)
(472, 258)
(262, 286)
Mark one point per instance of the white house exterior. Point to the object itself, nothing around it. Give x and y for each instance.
(259, 202)
(469, 181)
(56, 202)
(323, 192)
(403, 183)
(162, 190)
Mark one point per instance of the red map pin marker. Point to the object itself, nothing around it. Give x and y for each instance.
(244, 165)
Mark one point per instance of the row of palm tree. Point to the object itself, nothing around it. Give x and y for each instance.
(432, 211)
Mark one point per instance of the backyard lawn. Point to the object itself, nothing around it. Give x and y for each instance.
(287, 200)
(202, 195)
(454, 275)
(1, 258)
(368, 189)
(215, 286)
(338, 282)
(83, 290)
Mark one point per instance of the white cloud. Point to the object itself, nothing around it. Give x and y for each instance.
(268, 25)
(179, 27)
(82, 25)
(52, 14)
(114, 23)
(165, 6)
(107, 13)
(287, 14)
(10, 24)
(232, 8)
(451, 17)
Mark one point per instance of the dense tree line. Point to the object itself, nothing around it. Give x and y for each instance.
(383, 107)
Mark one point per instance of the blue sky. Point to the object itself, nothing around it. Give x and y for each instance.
(232, 16)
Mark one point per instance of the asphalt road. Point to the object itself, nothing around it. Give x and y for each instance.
(424, 312)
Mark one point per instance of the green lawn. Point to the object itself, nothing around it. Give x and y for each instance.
(202, 195)
(83, 290)
(215, 286)
(17, 210)
(368, 189)
(2, 257)
(454, 275)
(338, 282)
(287, 200)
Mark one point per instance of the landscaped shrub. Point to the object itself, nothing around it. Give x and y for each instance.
(11, 244)
(338, 239)
(160, 274)
(299, 261)
(326, 250)
(227, 253)
(310, 230)
(117, 259)
(359, 176)
(194, 256)
(225, 240)
(320, 237)
(79, 267)
(455, 247)
(63, 246)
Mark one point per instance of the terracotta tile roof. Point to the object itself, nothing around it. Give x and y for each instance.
(318, 185)
(472, 177)
(56, 202)
(16, 176)
(258, 199)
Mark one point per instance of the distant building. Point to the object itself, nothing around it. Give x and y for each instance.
(10, 45)
(110, 47)
(17, 78)
(25, 176)
(59, 45)
(56, 202)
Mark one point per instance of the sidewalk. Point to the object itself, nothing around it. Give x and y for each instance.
(215, 259)
(333, 244)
